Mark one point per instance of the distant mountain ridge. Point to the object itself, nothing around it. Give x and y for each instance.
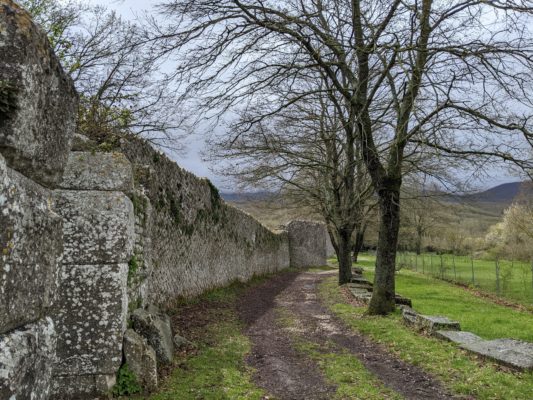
(500, 194)
(504, 193)
(246, 196)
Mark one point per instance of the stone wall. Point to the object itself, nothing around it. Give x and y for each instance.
(308, 243)
(86, 237)
(188, 239)
(37, 118)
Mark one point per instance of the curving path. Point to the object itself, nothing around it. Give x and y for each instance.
(290, 375)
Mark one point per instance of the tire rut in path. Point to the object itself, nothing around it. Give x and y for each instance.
(289, 375)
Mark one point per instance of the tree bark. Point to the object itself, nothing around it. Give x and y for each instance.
(345, 255)
(359, 240)
(383, 296)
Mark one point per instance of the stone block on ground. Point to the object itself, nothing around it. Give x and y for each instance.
(26, 360)
(432, 323)
(156, 328)
(458, 337)
(357, 271)
(98, 227)
(360, 280)
(363, 286)
(98, 171)
(409, 315)
(30, 249)
(509, 352)
(38, 116)
(180, 342)
(400, 300)
(307, 244)
(90, 318)
(141, 359)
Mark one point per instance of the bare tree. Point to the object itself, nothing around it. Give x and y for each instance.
(448, 78)
(301, 151)
(121, 86)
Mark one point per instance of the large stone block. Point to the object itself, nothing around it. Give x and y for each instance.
(512, 353)
(156, 328)
(30, 249)
(307, 244)
(98, 171)
(38, 101)
(141, 359)
(90, 319)
(98, 227)
(26, 360)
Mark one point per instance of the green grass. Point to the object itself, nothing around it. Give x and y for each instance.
(460, 372)
(478, 315)
(512, 280)
(217, 370)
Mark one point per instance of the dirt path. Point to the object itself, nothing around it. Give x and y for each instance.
(290, 375)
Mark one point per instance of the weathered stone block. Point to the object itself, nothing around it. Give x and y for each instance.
(155, 327)
(307, 244)
(90, 318)
(98, 227)
(98, 171)
(82, 387)
(38, 116)
(458, 337)
(82, 143)
(433, 323)
(141, 359)
(30, 249)
(512, 353)
(26, 359)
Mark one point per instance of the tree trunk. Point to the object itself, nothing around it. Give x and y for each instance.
(344, 255)
(383, 296)
(359, 240)
(418, 244)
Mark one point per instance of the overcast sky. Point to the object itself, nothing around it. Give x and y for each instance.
(191, 159)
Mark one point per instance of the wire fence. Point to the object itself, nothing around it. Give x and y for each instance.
(508, 279)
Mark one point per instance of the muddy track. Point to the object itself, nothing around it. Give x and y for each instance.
(290, 375)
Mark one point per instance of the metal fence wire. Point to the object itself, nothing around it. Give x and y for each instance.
(512, 280)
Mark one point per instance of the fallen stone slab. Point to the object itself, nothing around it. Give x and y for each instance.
(155, 327)
(357, 271)
(361, 286)
(141, 359)
(433, 323)
(400, 300)
(512, 353)
(356, 279)
(458, 337)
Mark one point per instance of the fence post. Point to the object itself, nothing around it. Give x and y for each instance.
(497, 277)
(472, 263)
(532, 275)
(441, 268)
(416, 262)
(424, 263)
(454, 270)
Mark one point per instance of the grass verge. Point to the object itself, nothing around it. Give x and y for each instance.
(216, 370)
(462, 373)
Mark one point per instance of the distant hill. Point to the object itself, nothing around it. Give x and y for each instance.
(504, 193)
(238, 197)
